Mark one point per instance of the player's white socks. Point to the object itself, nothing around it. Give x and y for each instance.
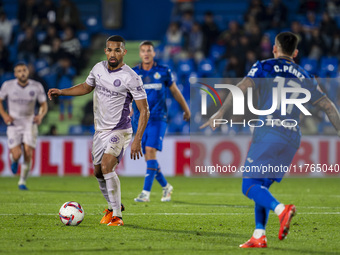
(113, 189)
(279, 209)
(103, 189)
(25, 169)
(258, 233)
(147, 193)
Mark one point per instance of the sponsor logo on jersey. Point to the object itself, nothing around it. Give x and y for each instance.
(156, 86)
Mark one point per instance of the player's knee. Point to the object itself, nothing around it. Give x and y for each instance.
(150, 153)
(16, 154)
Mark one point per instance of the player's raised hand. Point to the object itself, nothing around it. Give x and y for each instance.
(136, 149)
(53, 93)
(186, 116)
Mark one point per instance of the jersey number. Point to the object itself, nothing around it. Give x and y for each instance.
(281, 81)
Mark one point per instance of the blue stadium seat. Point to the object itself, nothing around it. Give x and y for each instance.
(216, 51)
(51, 80)
(310, 65)
(185, 67)
(329, 66)
(206, 68)
(6, 77)
(76, 130)
(84, 39)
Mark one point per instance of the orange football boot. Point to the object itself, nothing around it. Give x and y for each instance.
(115, 221)
(285, 218)
(108, 215)
(255, 243)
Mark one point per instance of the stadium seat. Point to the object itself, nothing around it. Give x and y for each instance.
(329, 66)
(76, 130)
(5, 77)
(42, 67)
(310, 65)
(84, 39)
(206, 68)
(216, 51)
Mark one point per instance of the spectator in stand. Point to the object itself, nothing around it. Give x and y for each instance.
(234, 68)
(6, 29)
(47, 14)
(257, 10)
(187, 22)
(28, 47)
(56, 52)
(195, 43)
(46, 46)
(65, 74)
(309, 6)
(265, 47)
(5, 65)
(28, 14)
(67, 15)
(304, 48)
(210, 32)
(72, 46)
(173, 41)
(328, 28)
(255, 37)
(318, 46)
(233, 32)
(251, 58)
(310, 23)
(276, 14)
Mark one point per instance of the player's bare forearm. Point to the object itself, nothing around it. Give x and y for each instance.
(42, 112)
(77, 90)
(5, 116)
(144, 114)
(332, 113)
(180, 99)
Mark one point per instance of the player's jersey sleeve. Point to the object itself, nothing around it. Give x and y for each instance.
(3, 91)
(169, 78)
(91, 79)
(41, 93)
(135, 86)
(313, 87)
(256, 72)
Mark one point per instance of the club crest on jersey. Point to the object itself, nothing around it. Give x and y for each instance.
(157, 75)
(117, 83)
(114, 139)
(31, 93)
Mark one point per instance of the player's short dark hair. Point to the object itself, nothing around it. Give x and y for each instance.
(288, 42)
(20, 63)
(116, 38)
(146, 43)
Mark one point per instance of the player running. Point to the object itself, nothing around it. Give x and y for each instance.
(275, 145)
(22, 131)
(115, 85)
(156, 79)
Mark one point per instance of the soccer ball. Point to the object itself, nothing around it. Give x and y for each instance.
(71, 213)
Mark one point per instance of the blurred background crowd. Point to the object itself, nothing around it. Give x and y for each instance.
(203, 39)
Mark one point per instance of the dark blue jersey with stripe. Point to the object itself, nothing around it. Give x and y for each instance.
(281, 73)
(155, 81)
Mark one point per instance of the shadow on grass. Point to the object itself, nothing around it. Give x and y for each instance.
(213, 205)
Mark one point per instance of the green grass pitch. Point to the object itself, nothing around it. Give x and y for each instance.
(205, 216)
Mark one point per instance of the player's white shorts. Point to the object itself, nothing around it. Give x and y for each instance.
(110, 142)
(26, 134)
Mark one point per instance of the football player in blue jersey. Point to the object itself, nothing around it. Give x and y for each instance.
(156, 79)
(274, 143)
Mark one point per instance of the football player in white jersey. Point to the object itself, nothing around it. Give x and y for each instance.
(22, 131)
(115, 85)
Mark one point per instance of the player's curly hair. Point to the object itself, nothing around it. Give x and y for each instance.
(288, 42)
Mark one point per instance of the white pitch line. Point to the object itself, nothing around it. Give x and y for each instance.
(167, 214)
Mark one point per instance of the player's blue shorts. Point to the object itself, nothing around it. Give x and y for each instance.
(268, 160)
(154, 134)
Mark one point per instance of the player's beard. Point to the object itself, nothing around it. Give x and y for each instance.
(115, 64)
(23, 79)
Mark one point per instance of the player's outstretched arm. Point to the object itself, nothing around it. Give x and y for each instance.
(227, 104)
(180, 99)
(136, 146)
(78, 90)
(5, 116)
(332, 113)
(42, 112)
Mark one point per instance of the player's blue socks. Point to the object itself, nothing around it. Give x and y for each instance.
(261, 217)
(160, 178)
(152, 166)
(257, 190)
